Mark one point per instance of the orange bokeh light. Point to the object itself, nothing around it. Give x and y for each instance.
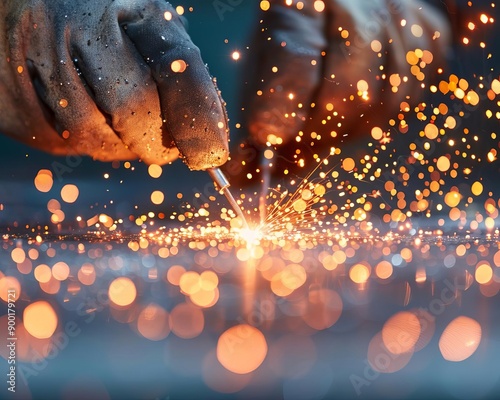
(460, 339)
(241, 349)
(122, 291)
(40, 319)
(186, 321)
(60, 271)
(401, 332)
(323, 309)
(44, 180)
(153, 322)
(10, 288)
(69, 193)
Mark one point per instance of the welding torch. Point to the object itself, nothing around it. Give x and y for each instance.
(223, 185)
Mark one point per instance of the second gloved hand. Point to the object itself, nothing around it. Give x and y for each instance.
(340, 67)
(111, 79)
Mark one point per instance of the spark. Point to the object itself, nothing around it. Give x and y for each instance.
(235, 55)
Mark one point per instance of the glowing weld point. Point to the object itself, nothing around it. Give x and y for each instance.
(250, 235)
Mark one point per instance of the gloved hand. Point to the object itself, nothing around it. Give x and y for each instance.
(113, 79)
(329, 68)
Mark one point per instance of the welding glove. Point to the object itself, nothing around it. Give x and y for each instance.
(339, 67)
(113, 79)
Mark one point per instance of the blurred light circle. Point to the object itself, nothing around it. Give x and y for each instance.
(69, 193)
(241, 349)
(18, 255)
(153, 323)
(10, 288)
(427, 328)
(384, 361)
(122, 291)
(460, 339)
(186, 321)
(324, 308)
(60, 271)
(40, 319)
(401, 332)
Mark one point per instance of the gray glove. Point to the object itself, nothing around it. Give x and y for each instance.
(113, 79)
(306, 56)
